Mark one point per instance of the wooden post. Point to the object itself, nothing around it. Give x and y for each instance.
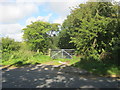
(38, 51)
(62, 53)
(49, 52)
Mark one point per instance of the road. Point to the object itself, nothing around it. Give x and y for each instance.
(47, 76)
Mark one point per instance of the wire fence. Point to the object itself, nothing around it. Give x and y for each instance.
(62, 53)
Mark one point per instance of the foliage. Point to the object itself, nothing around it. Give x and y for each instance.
(6, 56)
(116, 54)
(38, 35)
(64, 40)
(53, 35)
(25, 57)
(93, 27)
(9, 45)
(54, 42)
(97, 67)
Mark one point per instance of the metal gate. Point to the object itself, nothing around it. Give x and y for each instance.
(62, 53)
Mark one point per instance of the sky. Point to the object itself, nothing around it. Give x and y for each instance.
(16, 14)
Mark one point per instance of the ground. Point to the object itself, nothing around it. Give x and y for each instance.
(51, 76)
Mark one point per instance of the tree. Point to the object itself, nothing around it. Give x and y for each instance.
(38, 35)
(92, 27)
(53, 35)
(64, 40)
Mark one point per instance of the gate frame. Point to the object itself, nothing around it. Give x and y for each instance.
(60, 51)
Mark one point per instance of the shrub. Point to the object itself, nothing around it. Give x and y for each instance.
(6, 56)
(23, 57)
(9, 45)
(16, 57)
(106, 57)
(23, 54)
(116, 54)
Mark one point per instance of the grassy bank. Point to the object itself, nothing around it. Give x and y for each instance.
(21, 58)
(99, 68)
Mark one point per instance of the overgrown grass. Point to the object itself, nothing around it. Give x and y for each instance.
(25, 57)
(68, 61)
(30, 60)
(38, 59)
(98, 67)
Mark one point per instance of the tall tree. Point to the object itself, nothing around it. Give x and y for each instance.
(38, 34)
(64, 40)
(53, 34)
(92, 27)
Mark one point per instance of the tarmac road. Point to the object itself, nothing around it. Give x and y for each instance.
(47, 76)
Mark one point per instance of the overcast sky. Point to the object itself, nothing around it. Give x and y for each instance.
(16, 14)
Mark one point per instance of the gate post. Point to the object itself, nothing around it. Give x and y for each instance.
(49, 52)
(62, 53)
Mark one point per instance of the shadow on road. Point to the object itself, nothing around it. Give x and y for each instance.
(48, 76)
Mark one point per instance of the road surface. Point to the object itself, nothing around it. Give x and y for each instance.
(48, 76)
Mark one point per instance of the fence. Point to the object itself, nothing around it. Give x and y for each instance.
(61, 53)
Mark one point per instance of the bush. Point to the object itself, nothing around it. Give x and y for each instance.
(9, 45)
(116, 54)
(106, 57)
(114, 70)
(6, 56)
(23, 54)
(16, 56)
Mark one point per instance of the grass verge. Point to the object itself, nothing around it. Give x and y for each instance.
(99, 68)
